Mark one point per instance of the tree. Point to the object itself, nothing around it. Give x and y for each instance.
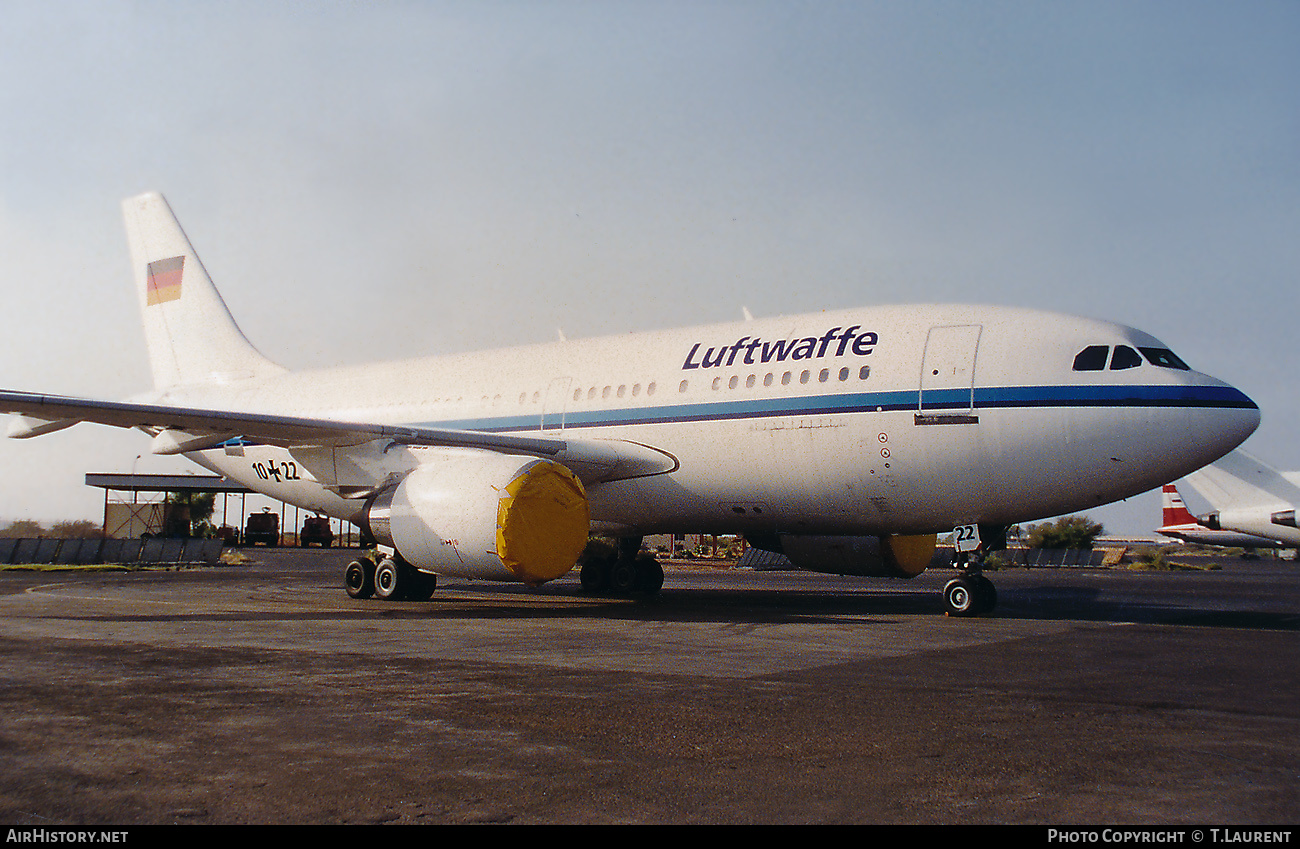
(1066, 532)
(23, 529)
(78, 529)
(194, 520)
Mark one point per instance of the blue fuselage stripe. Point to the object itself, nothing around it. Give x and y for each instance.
(986, 398)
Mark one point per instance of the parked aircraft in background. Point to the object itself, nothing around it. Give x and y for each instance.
(1250, 497)
(847, 439)
(1181, 524)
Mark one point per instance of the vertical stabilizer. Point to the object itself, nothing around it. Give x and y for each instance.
(191, 336)
(1176, 512)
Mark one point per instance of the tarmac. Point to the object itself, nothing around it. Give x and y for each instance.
(261, 693)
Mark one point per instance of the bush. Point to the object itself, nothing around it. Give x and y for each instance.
(1066, 532)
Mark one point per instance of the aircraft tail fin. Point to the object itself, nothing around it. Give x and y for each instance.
(1239, 480)
(191, 336)
(1176, 512)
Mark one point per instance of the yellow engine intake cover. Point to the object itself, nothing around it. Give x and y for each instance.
(542, 522)
(910, 555)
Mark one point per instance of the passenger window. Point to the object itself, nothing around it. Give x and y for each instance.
(1124, 357)
(863, 372)
(717, 383)
(1164, 358)
(749, 382)
(844, 374)
(1091, 358)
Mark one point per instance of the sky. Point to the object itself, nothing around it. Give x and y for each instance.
(367, 181)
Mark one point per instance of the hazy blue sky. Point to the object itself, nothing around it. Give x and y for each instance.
(366, 181)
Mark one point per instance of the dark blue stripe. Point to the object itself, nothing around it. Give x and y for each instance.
(1001, 397)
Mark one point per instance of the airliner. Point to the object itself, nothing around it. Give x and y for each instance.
(1250, 497)
(1179, 523)
(846, 440)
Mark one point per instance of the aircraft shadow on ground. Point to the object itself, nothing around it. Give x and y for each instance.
(854, 606)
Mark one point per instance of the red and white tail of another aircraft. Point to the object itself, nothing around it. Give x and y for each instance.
(1180, 524)
(1249, 497)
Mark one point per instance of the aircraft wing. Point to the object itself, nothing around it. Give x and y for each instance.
(180, 429)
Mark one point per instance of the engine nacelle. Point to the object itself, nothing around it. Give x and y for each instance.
(892, 556)
(476, 514)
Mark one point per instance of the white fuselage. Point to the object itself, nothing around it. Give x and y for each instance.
(1201, 535)
(873, 421)
(1256, 522)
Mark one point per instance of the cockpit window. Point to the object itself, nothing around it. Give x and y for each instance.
(1164, 358)
(1124, 357)
(1091, 358)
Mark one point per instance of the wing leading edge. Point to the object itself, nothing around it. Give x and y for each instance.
(178, 430)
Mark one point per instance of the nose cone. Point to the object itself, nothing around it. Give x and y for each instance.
(1221, 417)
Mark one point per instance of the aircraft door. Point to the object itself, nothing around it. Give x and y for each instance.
(948, 371)
(557, 398)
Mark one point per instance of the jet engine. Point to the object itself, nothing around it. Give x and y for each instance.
(891, 556)
(477, 514)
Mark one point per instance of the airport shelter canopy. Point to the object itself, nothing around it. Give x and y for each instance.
(123, 519)
(165, 483)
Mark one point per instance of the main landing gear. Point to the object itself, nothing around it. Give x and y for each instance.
(392, 579)
(630, 572)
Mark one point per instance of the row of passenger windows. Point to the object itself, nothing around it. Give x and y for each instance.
(1094, 357)
(733, 382)
(620, 392)
(768, 379)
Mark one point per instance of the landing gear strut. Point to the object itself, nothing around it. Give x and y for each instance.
(630, 573)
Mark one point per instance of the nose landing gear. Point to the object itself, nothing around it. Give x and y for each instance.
(970, 593)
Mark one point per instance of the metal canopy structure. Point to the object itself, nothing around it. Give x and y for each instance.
(128, 519)
(147, 513)
(165, 483)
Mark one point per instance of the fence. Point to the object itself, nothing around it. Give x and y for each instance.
(85, 552)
